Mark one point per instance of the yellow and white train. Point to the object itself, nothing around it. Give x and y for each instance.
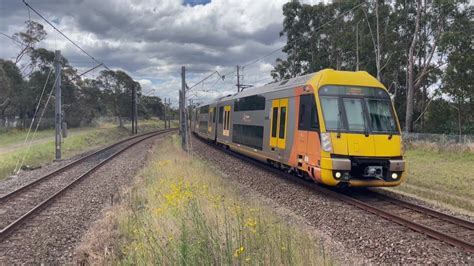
(336, 127)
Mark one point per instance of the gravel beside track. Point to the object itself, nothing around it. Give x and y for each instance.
(51, 235)
(378, 240)
(14, 207)
(24, 177)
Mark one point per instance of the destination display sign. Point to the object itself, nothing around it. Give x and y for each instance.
(353, 91)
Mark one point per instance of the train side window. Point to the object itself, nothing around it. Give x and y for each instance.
(251, 136)
(314, 125)
(282, 122)
(308, 114)
(249, 103)
(221, 114)
(274, 122)
(301, 119)
(225, 120)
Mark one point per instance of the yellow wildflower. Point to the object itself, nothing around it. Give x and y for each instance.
(238, 251)
(250, 222)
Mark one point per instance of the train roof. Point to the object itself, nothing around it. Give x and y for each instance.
(270, 87)
(328, 76)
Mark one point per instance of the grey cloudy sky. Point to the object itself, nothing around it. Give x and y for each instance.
(151, 40)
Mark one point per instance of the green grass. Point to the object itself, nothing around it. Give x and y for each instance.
(41, 153)
(16, 136)
(181, 212)
(441, 176)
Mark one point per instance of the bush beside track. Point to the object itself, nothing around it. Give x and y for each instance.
(181, 212)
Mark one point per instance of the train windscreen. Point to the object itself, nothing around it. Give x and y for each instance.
(356, 109)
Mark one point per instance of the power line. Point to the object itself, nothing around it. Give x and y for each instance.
(299, 38)
(85, 72)
(34, 117)
(13, 39)
(275, 50)
(294, 40)
(64, 35)
(208, 76)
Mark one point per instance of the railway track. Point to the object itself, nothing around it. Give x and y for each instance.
(447, 228)
(435, 224)
(18, 205)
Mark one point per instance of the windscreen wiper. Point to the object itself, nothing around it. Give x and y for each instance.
(339, 124)
(366, 130)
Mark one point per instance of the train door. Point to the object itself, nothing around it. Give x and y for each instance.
(279, 118)
(220, 120)
(214, 123)
(226, 128)
(211, 121)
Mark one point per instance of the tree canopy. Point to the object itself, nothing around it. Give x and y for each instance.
(377, 36)
(21, 85)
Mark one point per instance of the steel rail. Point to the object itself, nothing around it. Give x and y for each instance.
(69, 165)
(398, 219)
(357, 203)
(428, 211)
(8, 229)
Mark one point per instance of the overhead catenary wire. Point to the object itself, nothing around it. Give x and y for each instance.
(207, 77)
(64, 35)
(301, 37)
(279, 48)
(13, 39)
(37, 126)
(296, 39)
(34, 117)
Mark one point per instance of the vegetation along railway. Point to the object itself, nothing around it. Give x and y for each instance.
(18, 205)
(337, 128)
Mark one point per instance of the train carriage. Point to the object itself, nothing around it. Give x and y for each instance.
(336, 127)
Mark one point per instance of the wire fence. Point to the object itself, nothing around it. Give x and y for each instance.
(48, 122)
(442, 139)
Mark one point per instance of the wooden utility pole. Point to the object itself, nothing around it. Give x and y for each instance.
(240, 87)
(57, 109)
(182, 104)
(238, 78)
(165, 107)
(169, 113)
(134, 111)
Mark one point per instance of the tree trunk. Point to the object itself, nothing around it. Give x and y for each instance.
(378, 39)
(3, 120)
(459, 118)
(119, 115)
(411, 89)
(424, 97)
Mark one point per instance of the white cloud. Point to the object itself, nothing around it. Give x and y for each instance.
(151, 40)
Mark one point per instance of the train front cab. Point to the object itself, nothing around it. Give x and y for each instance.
(359, 131)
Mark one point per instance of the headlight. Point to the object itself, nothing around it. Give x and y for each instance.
(326, 144)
